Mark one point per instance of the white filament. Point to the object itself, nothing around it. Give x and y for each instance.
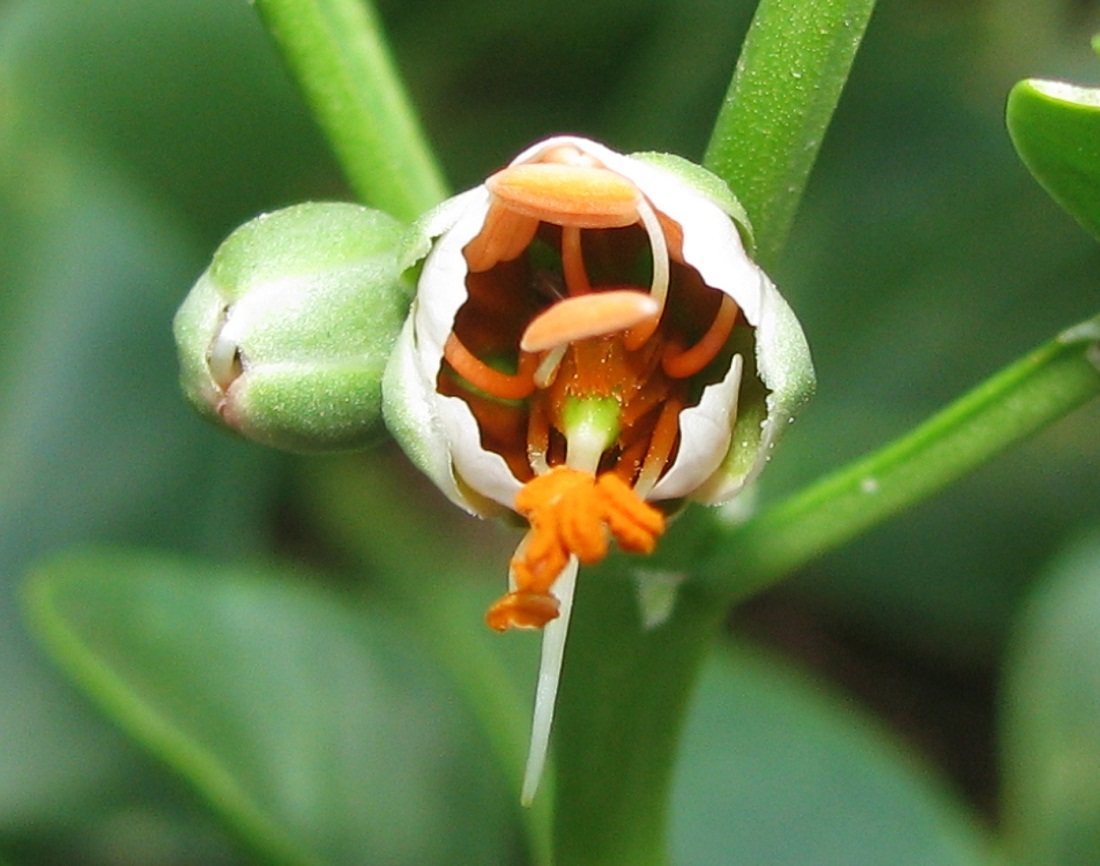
(659, 287)
(546, 691)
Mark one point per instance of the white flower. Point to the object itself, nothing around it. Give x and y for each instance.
(589, 338)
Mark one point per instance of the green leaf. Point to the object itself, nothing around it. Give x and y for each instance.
(95, 442)
(1052, 717)
(315, 728)
(188, 95)
(774, 771)
(1056, 129)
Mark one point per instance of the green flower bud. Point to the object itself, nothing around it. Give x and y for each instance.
(286, 336)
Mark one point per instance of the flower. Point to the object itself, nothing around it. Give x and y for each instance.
(590, 345)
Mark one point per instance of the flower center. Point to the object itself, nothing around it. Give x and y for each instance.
(575, 373)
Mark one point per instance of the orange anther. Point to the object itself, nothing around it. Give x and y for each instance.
(593, 315)
(575, 195)
(522, 610)
(504, 235)
(568, 154)
(572, 513)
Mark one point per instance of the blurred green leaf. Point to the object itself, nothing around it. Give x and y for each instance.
(440, 569)
(1051, 723)
(317, 729)
(188, 94)
(1056, 129)
(773, 771)
(95, 442)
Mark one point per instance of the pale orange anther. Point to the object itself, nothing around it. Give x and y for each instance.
(587, 197)
(568, 154)
(593, 315)
(502, 238)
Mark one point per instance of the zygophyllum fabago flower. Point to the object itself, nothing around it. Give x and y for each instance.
(590, 345)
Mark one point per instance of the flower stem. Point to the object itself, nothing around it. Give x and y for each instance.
(1014, 404)
(623, 698)
(338, 54)
(792, 68)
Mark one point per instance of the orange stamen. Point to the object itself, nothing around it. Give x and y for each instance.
(572, 513)
(583, 316)
(572, 262)
(479, 374)
(661, 444)
(567, 195)
(679, 364)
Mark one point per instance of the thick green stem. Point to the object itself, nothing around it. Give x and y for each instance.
(338, 55)
(788, 80)
(624, 693)
(1013, 405)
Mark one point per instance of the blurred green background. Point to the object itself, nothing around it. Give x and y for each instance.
(135, 135)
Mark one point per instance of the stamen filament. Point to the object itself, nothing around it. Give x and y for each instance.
(547, 369)
(661, 444)
(572, 262)
(637, 337)
(493, 382)
(681, 364)
(538, 438)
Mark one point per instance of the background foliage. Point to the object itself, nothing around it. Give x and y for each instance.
(134, 136)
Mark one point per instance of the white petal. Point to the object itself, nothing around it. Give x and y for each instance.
(409, 406)
(440, 294)
(705, 432)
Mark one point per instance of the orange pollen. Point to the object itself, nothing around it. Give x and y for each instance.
(572, 513)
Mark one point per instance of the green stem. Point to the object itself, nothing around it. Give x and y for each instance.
(338, 54)
(1013, 405)
(788, 80)
(624, 693)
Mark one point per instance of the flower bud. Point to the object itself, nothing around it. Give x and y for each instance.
(286, 335)
(590, 346)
